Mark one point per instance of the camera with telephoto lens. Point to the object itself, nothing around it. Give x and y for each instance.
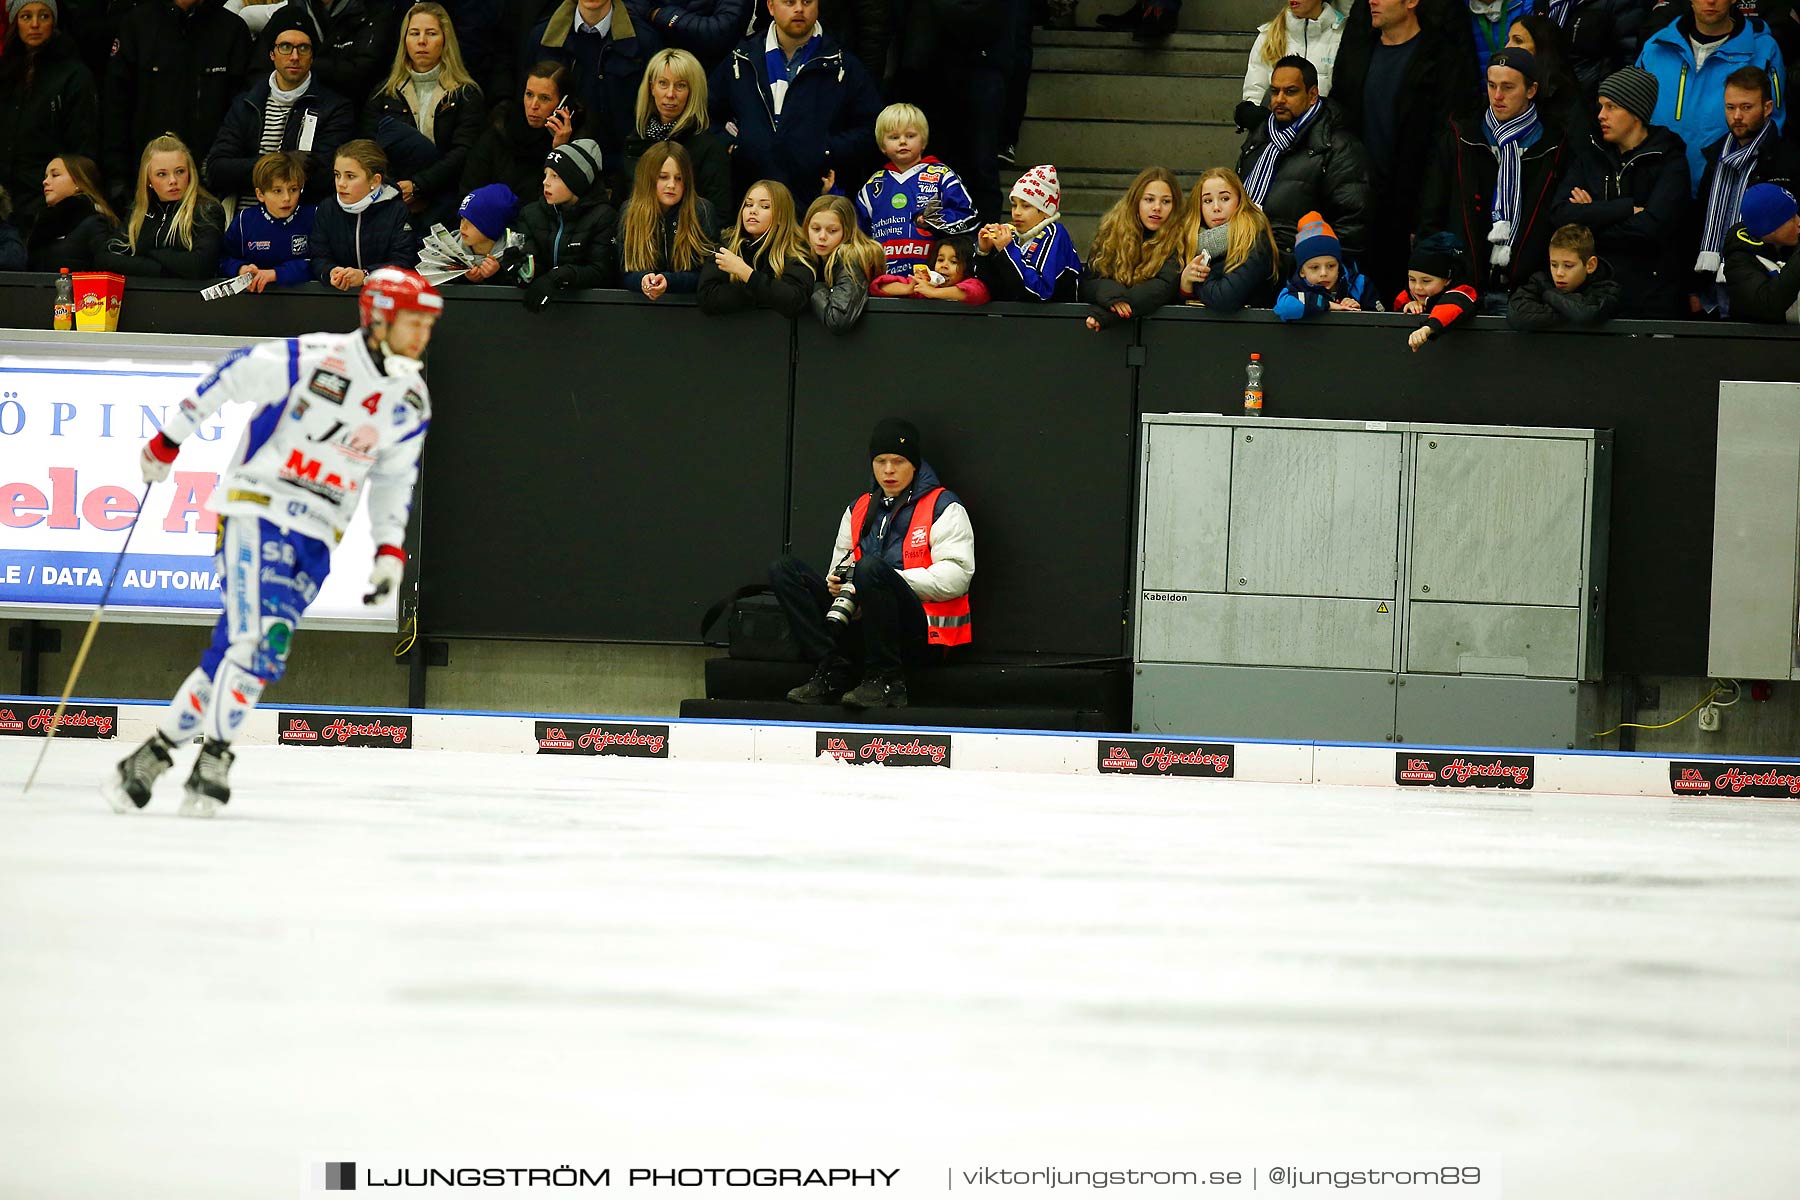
(843, 607)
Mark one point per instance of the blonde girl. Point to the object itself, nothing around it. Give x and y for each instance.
(666, 233)
(764, 262)
(1122, 278)
(175, 228)
(1228, 258)
(844, 258)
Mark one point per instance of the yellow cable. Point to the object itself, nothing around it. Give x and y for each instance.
(1678, 720)
(412, 635)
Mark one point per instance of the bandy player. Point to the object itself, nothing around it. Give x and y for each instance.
(336, 414)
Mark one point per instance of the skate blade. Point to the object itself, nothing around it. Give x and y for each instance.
(118, 798)
(199, 804)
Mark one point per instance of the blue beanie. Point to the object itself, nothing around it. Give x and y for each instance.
(1313, 238)
(490, 209)
(1765, 209)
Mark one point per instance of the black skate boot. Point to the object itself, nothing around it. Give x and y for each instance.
(128, 788)
(826, 685)
(877, 691)
(208, 787)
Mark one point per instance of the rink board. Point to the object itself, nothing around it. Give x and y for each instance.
(1444, 768)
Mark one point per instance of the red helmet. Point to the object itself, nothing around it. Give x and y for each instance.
(389, 290)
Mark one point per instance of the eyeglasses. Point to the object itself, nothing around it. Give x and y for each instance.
(293, 49)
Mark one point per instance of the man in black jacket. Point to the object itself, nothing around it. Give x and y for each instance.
(1502, 216)
(290, 110)
(1403, 68)
(1751, 152)
(1630, 186)
(175, 68)
(598, 42)
(1762, 271)
(1303, 159)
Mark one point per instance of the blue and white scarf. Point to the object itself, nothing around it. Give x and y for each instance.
(1281, 140)
(1729, 181)
(1560, 11)
(1509, 141)
(782, 69)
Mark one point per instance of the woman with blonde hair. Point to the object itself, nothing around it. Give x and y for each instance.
(1122, 278)
(175, 227)
(427, 115)
(1227, 257)
(1313, 29)
(844, 259)
(672, 107)
(666, 232)
(764, 262)
(75, 221)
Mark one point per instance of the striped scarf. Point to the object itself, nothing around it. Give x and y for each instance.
(1729, 182)
(1559, 12)
(782, 69)
(1281, 140)
(1509, 141)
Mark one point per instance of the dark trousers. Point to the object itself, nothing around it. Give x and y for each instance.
(889, 634)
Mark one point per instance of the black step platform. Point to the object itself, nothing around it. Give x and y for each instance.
(912, 716)
(1092, 699)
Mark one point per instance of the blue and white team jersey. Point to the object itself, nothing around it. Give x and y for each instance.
(907, 210)
(329, 425)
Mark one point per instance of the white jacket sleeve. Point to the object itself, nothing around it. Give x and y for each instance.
(263, 374)
(840, 549)
(391, 483)
(952, 558)
(1258, 73)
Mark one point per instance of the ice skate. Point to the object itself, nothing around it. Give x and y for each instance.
(208, 785)
(128, 788)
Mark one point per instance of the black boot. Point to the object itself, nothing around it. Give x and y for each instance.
(877, 691)
(1125, 22)
(826, 685)
(208, 786)
(129, 787)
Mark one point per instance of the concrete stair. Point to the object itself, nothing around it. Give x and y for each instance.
(1102, 107)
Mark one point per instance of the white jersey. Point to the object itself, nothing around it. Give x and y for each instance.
(328, 426)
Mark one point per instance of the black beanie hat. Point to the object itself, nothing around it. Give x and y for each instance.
(1439, 254)
(896, 436)
(289, 16)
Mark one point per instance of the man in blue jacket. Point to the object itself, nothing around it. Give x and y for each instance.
(289, 110)
(1691, 58)
(794, 106)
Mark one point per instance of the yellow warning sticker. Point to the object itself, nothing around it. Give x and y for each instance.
(1382, 607)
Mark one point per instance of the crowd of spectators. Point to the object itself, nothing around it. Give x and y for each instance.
(1550, 160)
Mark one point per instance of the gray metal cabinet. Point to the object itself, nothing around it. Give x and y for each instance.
(1360, 581)
(1756, 534)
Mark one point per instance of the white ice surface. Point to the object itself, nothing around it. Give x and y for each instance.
(614, 962)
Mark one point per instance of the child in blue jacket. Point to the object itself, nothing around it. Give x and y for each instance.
(1322, 281)
(272, 239)
(1034, 258)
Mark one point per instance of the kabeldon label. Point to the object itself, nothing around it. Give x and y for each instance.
(1513, 772)
(602, 738)
(1201, 760)
(374, 730)
(1749, 780)
(888, 749)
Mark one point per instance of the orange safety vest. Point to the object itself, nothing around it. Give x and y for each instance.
(946, 621)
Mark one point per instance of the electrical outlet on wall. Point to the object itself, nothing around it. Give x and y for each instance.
(1709, 719)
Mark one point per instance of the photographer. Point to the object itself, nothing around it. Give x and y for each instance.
(913, 551)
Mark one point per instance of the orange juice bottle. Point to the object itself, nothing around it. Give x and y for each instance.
(65, 301)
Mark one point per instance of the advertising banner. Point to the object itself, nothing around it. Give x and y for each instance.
(71, 427)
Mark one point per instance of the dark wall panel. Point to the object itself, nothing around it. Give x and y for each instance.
(1026, 415)
(602, 471)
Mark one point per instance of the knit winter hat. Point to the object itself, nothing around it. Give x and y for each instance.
(1765, 209)
(284, 18)
(1313, 238)
(893, 435)
(1440, 254)
(1038, 187)
(490, 209)
(1518, 59)
(1632, 89)
(577, 163)
(13, 7)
